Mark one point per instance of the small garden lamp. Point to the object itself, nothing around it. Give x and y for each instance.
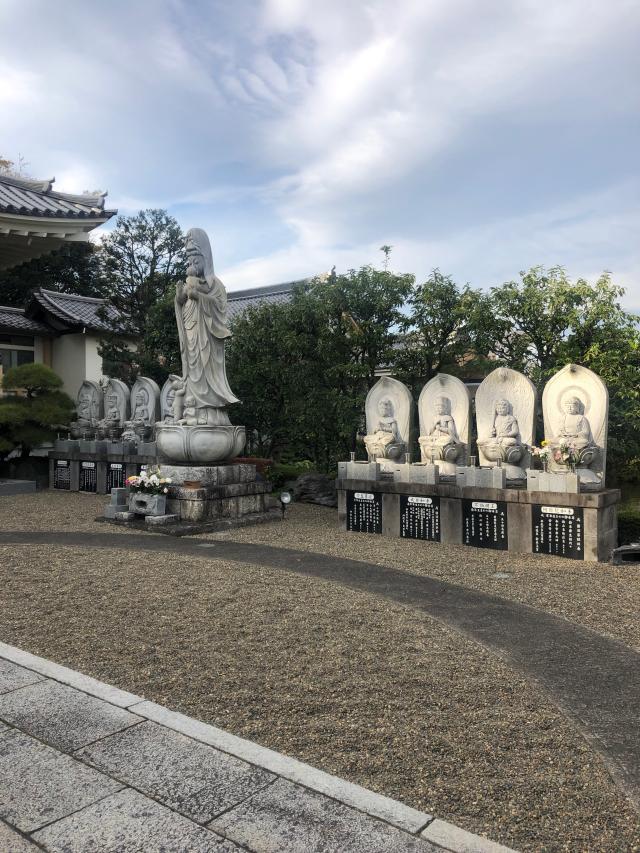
(285, 500)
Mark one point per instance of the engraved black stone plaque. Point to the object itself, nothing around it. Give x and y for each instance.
(420, 517)
(484, 524)
(115, 476)
(62, 474)
(88, 477)
(558, 530)
(364, 512)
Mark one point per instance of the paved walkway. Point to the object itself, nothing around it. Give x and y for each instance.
(591, 678)
(86, 766)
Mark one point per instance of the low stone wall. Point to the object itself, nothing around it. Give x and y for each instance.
(578, 526)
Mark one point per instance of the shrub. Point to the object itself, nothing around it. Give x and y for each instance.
(281, 473)
(628, 525)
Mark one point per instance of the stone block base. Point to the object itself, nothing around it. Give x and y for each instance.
(111, 510)
(578, 526)
(160, 520)
(209, 498)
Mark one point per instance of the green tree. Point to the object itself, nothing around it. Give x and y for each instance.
(74, 268)
(143, 259)
(303, 369)
(544, 321)
(436, 331)
(33, 409)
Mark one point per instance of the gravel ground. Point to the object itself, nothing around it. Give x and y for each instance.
(361, 687)
(600, 596)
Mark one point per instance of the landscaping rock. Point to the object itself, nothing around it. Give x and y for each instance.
(316, 489)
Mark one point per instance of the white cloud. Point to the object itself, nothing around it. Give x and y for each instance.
(458, 132)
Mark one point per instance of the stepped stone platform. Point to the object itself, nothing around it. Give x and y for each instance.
(208, 499)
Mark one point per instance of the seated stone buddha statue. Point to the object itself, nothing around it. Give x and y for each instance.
(442, 441)
(504, 443)
(385, 442)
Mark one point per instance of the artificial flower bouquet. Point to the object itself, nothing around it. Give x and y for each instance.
(149, 483)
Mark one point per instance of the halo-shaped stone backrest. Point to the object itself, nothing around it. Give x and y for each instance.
(401, 400)
(444, 385)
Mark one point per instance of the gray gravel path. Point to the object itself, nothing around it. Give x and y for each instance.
(591, 678)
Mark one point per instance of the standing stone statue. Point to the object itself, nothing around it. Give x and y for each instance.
(201, 432)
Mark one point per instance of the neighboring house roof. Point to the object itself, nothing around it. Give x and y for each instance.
(36, 220)
(15, 320)
(67, 312)
(272, 294)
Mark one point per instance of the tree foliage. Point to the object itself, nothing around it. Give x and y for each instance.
(545, 321)
(74, 268)
(143, 258)
(437, 335)
(33, 410)
(302, 370)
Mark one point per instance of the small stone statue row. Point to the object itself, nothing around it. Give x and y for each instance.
(575, 411)
(107, 410)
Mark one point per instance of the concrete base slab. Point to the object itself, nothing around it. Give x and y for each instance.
(191, 528)
(159, 520)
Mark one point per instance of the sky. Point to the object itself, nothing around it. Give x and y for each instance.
(479, 138)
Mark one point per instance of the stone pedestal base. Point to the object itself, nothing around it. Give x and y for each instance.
(198, 445)
(225, 496)
(577, 526)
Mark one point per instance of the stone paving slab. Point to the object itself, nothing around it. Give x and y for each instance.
(39, 785)
(12, 677)
(129, 822)
(12, 842)
(190, 777)
(67, 805)
(62, 716)
(363, 800)
(286, 818)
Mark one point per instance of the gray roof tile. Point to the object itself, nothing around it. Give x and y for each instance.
(73, 310)
(36, 198)
(14, 319)
(272, 294)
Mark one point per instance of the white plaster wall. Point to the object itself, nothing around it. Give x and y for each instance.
(69, 361)
(38, 351)
(93, 362)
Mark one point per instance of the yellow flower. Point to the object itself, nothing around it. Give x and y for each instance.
(544, 443)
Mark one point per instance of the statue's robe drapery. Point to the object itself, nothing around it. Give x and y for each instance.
(202, 332)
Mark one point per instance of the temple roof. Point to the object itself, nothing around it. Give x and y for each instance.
(36, 220)
(15, 320)
(37, 198)
(67, 312)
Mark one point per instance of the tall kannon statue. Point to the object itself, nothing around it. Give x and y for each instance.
(201, 312)
(199, 429)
